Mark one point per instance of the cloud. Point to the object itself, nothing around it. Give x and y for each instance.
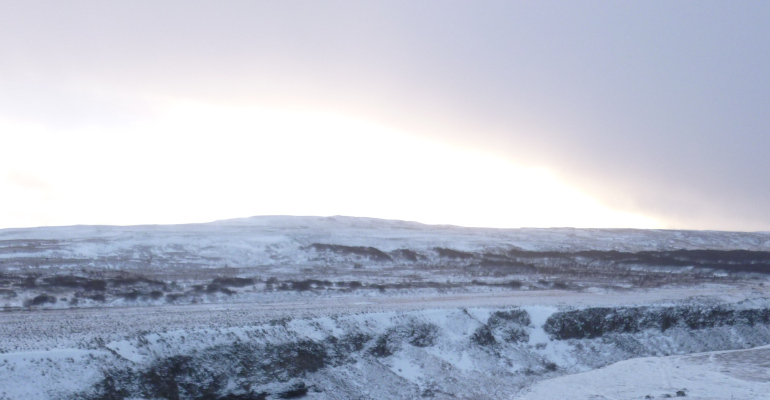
(28, 182)
(656, 108)
(195, 162)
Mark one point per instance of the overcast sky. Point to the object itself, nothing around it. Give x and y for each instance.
(493, 113)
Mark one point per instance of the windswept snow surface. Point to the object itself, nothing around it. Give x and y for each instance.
(357, 308)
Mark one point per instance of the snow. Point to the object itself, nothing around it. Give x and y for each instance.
(48, 374)
(735, 375)
(405, 367)
(461, 361)
(126, 350)
(58, 352)
(451, 362)
(538, 315)
(264, 240)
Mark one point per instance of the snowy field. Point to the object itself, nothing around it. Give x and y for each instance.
(348, 308)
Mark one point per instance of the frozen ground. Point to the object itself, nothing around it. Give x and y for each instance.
(347, 308)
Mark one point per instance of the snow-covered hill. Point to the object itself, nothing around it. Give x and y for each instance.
(279, 239)
(246, 259)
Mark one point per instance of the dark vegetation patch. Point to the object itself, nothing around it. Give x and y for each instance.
(507, 264)
(305, 285)
(371, 253)
(243, 396)
(299, 390)
(527, 254)
(508, 325)
(412, 285)
(292, 360)
(513, 284)
(517, 316)
(731, 261)
(596, 322)
(354, 284)
(314, 284)
(508, 267)
(174, 297)
(408, 255)
(130, 287)
(40, 300)
(234, 282)
(483, 336)
(130, 296)
(75, 282)
(227, 372)
(216, 288)
(512, 334)
(7, 279)
(211, 288)
(29, 282)
(133, 280)
(134, 295)
(97, 297)
(350, 343)
(734, 261)
(382, 348)
(415, 333)
(451, 253)
(301, 286)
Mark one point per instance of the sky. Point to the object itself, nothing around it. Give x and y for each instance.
(649, 114)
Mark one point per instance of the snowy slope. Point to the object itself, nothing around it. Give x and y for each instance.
(448, 353)
(722, 375)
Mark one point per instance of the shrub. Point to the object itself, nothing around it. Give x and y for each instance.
(300, 286)
(371, 253)
(451, 253)
(234, 282)
(483, 336)
(42, 299)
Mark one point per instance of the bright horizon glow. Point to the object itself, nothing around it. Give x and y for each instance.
(197, 162)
